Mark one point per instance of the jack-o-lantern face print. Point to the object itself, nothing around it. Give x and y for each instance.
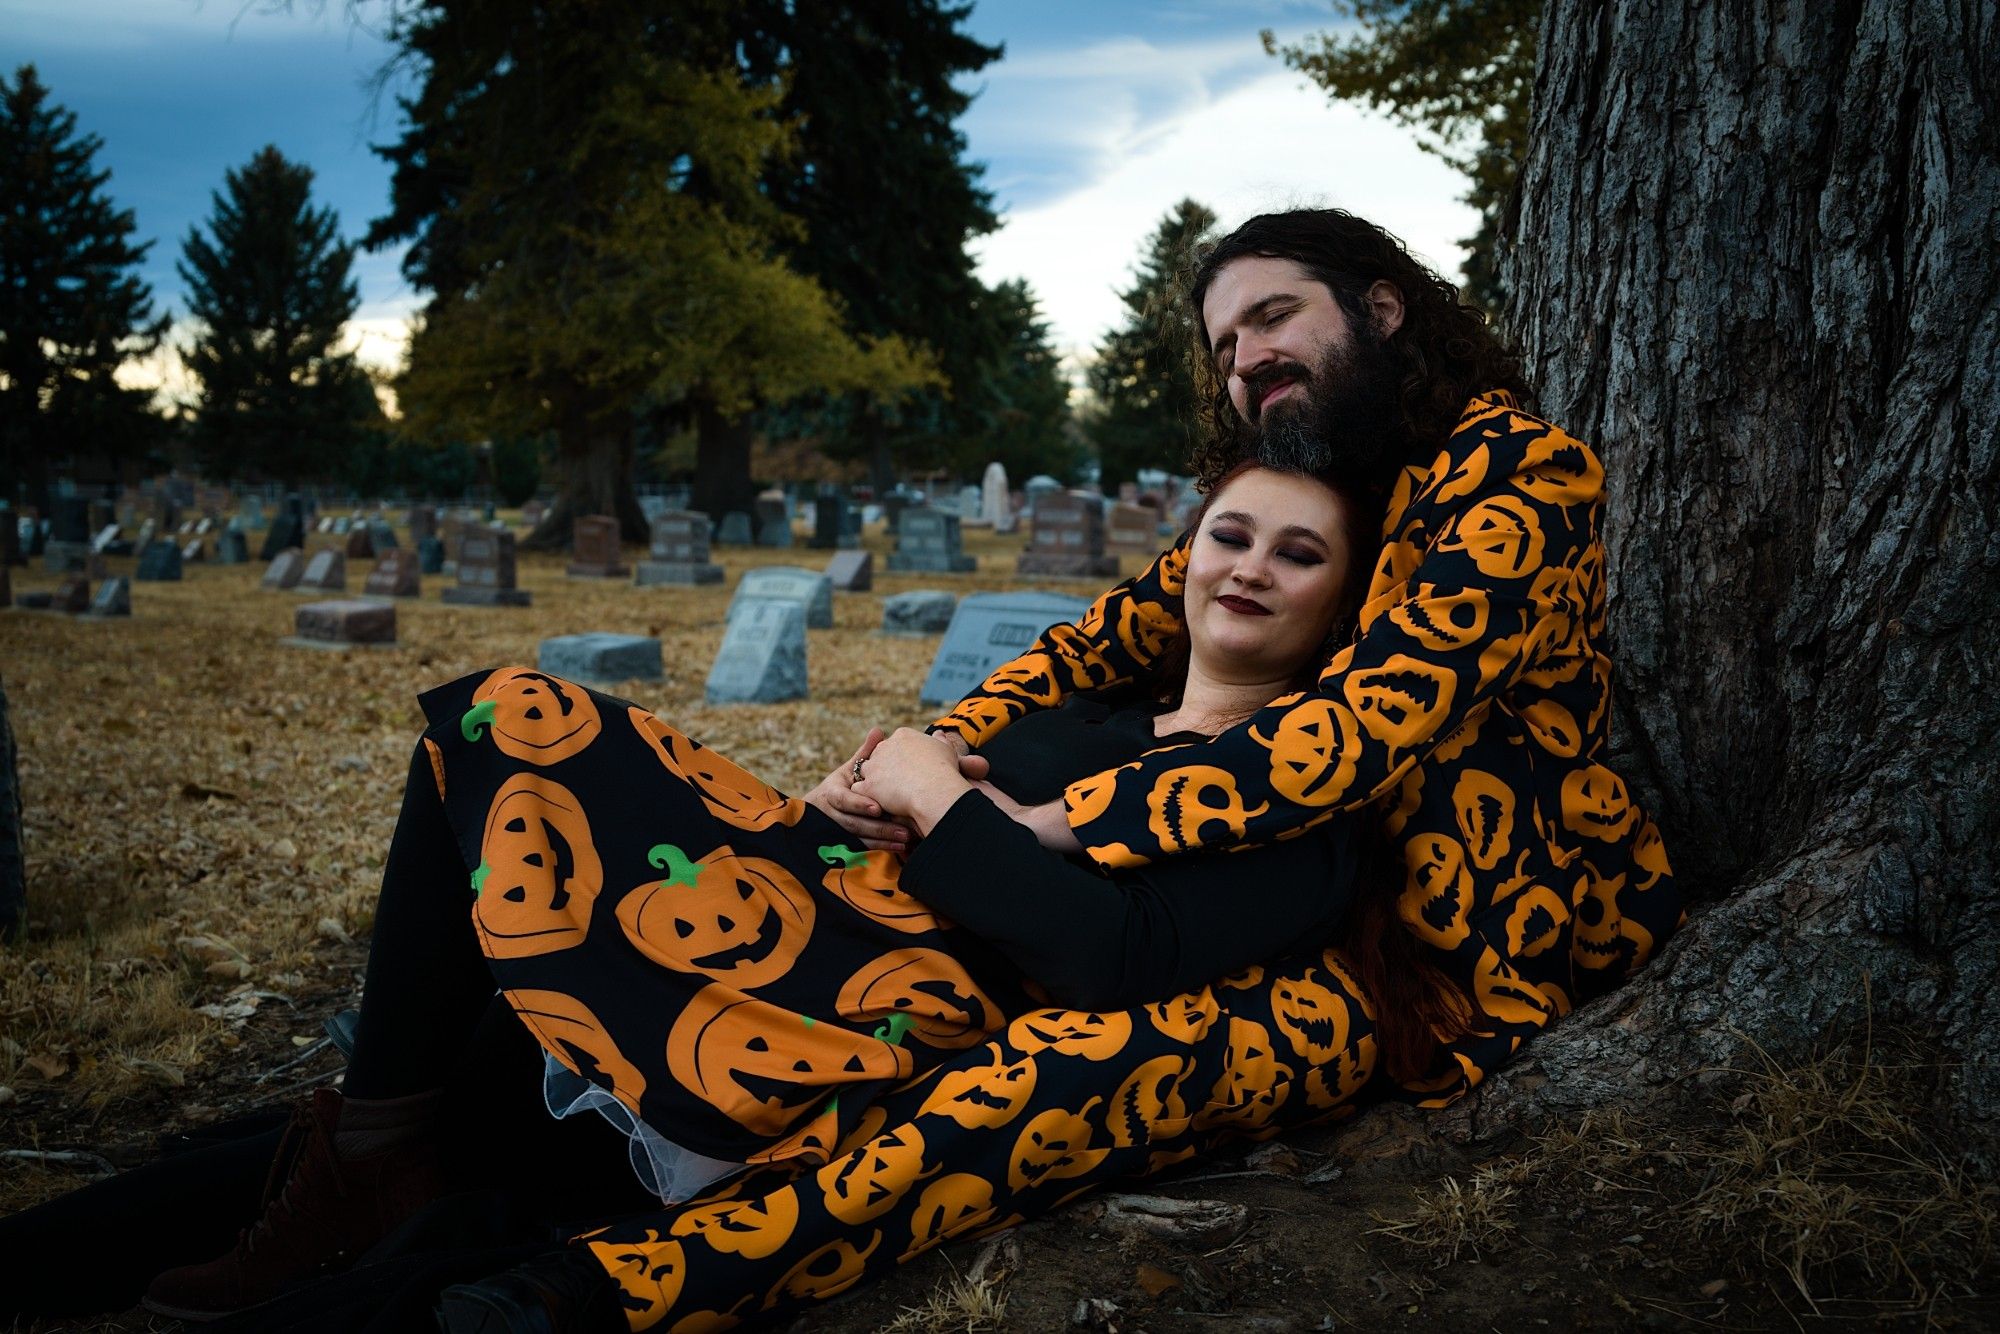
(1456, 479)
(1535, 922)
(1032, 677)
(731, 793)
(1649, 854)
(753, 1229)
(1442, 621)
(1604, 936)
(869, 883)
(739, 920)
(1149, 1100)
(1313, 752)
(532, 716)
(1186, 1017)
(1187, 801)
(1402, 702)
(650, 1271)
(1252, 1067)
(1596, 805)
(949, 1206)
(1053, 1146)
(1437, 895)
(1485, 808)
(539, 873)
(867, 1183)
(1554, 726)
(827, 1272)
(1501, 535)
(1557, 469)
(1335, 1083)
(1144, 628)
(983, 1096)
(1504, 995)
(1088, 798)
(1312, 1016)
(1085, 1033)
(1173, 571)
(569, 1032)
(985, 715)
(940, 1004)
(761, 1066)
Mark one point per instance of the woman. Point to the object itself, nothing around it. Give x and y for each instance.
(720, 969)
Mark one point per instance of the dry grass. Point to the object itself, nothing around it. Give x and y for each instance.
(956, 1304)
(1453, 1220)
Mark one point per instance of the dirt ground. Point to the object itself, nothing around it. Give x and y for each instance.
(206, 814)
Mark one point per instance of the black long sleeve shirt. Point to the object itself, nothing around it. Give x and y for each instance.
(1141, 934)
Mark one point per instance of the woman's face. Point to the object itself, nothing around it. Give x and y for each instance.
(1264, 573)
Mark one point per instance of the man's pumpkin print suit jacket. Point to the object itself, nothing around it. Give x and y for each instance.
(1470, 711)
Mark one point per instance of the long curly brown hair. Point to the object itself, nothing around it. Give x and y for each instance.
(1447, 349)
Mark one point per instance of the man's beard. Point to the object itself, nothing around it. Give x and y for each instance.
(1344, 421)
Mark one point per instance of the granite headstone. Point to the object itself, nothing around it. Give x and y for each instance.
(763, 655)
(486, 570)
(851, 571)
(602, 659)
(1066, 539)
(928, 540)
(394, 576)
(987, 630)
(735, 530)
(922, 611)
(594, 549)
(346, 621)
(114, 598)
(811, 590)
(679, 551)
(326, 572)
(285, 569)
(159, 562)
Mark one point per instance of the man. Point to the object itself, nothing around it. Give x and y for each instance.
(1467, 717)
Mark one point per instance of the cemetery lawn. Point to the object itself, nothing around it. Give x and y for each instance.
(207, 812)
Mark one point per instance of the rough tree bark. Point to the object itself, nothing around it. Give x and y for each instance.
(596, 479)
(722, 464)
(1754, 260)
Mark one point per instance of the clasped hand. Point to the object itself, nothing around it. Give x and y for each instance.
(909, 780)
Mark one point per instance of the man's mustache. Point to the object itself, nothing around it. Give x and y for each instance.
(1260, 382)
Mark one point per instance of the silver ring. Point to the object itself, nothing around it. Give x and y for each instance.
(857, 771)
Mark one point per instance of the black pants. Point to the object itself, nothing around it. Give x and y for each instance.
(429, 1018)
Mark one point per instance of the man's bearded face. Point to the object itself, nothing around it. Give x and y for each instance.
(1343, 415)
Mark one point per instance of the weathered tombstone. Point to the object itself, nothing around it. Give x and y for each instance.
(602, 659)
(285, 569)
(922, 611)
(105, 537)
(763, 655)
(326, 572)
(422, 521)
(594, 549)
(851, 571)
(1035, 488)
(343, 526)
(287, 530)
(195, 552)
(70, 520)
(987, 630)
(486, 570)
(1066, 539)
(929, 540)
(994, 505)
(344, 621)
(114, 598)
(1133, 527)
(430, 554)
(735, 530)
(968, 503)
(232, 547)
(811, 590)
(13, 864)
(250, 514)
(394, 576)
(159, 562)
(775, 532)
(360, 542)
(679, 551)
(72, 594)
(381, 536)
(829, 519)
(63, 557)
(204, 526)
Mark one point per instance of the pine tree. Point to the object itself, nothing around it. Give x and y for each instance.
(71, 308)
(1143, 379)
(271, 288)
(1023, 397)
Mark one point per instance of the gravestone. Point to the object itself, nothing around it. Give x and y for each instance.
(34, 536)
(1128, 493)
(922, 611)
(232, 547)
(893, 506)
(422, 522)
(775, 532)
(1037, 487)
(594, 549)
(13, 863)
(250, 514)
(204, 526)
(601, 659)
(343, 526)
(735, 530)
(653, 507)
(287, 530)
(928, 540)
(452, 531)
(114, 598)
(285, 570)
(159, 562)
(679, 551)
(106, 535)
(430, 554)
(1133, 527)
(72, 594)
(62, 557)
(532, 513)
(394, 576)
(763, 655)
(1066, 539)
(70, 520)
(968, 503)
(326, 572)
(381, 536)
(486, 570)
(195, 552)
(851, 571)
(829, 520)
(360, 542)
(995, 508)
(344, 621)
(987, 630)
(811, 590)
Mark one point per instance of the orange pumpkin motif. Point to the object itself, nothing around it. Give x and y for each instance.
(1485, 808)
(1173, 571)
(1595, 804)
(1553, 726)
(870, 883)
(1085, 1033)
(650, 1272)
(1144, 628)
(532, 716)
(1605, 937)
(867, 1184)
(985, 715)
(1053, 1146)
(732, 793)
(1558, 469)
(1313, 752)
(1464, 478)
(1187, 800)
(940, 1003)
(1402, 702)
(539, 874)
(569, 1032)
(827, 1272)
(1649, 854)
(949, 1207)
(1312, 1016)
(1252, 1086)
(739, 920)
(1087, 798)
(983, 1096)
(1501, 535)
(761, 1066)
(753, 1229)
(1437, 895)
(1186, 1017)
(1443, 621)
(1535, 922)
(1031, 677)
(1503, 994)
(1149, 1100)
(1335, 1083)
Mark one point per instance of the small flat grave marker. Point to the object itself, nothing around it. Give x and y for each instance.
(811, 590)
(159, 562)
(763, 655)
(602, 659)
(486, 570)
(326, 572)
(987, 630)
(114, 598)
(928, 540)
(285, 570)
(394, 576)
(594, 550)
(851, 571)
(344, 622)
(922, 611)
(679, 551)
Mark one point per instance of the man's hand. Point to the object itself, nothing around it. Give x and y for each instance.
(1049, 822)
(858, 814)
(914, 776)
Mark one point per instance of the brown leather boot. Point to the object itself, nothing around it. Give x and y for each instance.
(320, 1212)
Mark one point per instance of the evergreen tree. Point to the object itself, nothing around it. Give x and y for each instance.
(71, 308)
(1018, 411)
(271, 289)
(1143, 378)
(1462, 70)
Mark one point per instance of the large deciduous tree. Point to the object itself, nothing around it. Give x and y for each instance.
(271, 292)
(72, 309)
(1757, 266)
(1142, 379)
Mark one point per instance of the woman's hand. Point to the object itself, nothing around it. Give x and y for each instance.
(857, 814)
(1049, 822)
(914, 776)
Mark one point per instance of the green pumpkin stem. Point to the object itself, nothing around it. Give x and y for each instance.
(680, 871)
(478, 716)
(839, 854)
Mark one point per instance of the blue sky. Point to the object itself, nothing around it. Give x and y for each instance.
(1101, 115)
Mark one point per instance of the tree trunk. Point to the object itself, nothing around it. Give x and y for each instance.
(596, 479)
(722, 464)
(1753, 259)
